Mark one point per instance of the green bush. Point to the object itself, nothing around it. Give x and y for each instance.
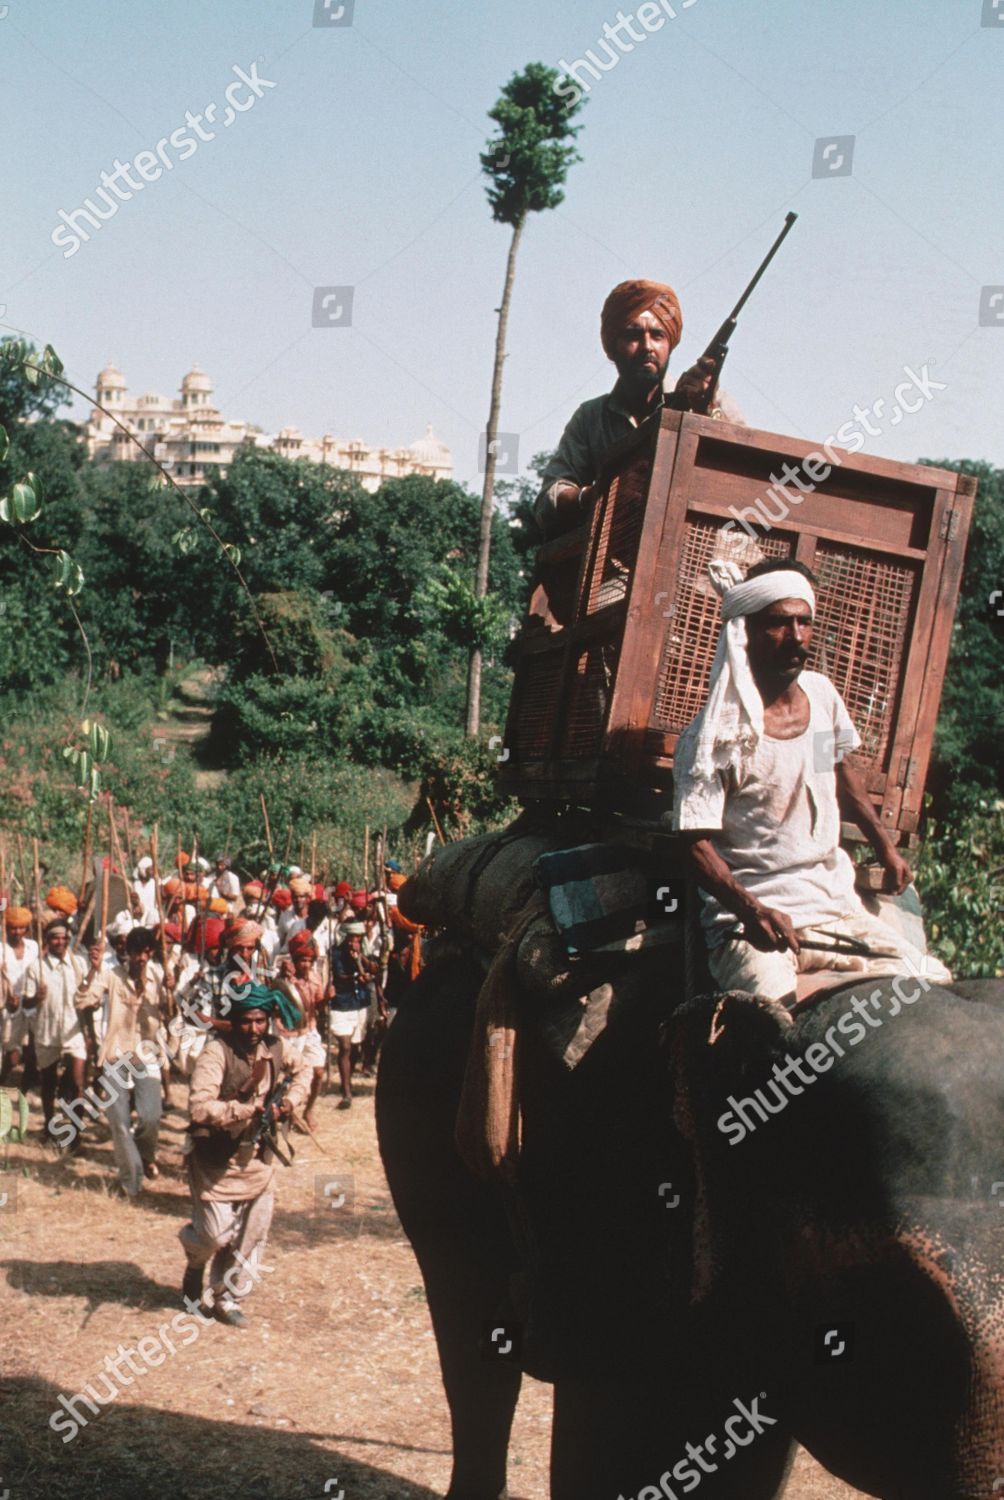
(960, 872)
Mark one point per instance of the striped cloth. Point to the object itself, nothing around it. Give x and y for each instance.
(602, 900)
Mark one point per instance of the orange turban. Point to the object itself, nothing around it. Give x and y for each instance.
(219, 906)
(300, 885)
(241, 931)
(396, 880)
(61, 898)
(18, 916)
(629, 300)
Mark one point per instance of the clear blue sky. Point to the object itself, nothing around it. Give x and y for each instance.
(360, 167)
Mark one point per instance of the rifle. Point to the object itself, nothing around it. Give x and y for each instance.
(719, 346)
(265, 1130)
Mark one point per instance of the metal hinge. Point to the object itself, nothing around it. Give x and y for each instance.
(949, 525)
(907, 772)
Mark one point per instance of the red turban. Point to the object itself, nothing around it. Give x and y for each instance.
(359, 900)
(282, 899)
(632, 298)
(171, 931)
(343, 889)
(204, 932)
(302, 943)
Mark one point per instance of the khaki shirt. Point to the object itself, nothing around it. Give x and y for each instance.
(205, 1107)
(135, 1015)
(593, 429)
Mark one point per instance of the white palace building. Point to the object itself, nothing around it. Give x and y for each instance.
(189, 436)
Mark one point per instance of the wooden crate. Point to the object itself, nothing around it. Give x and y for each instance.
(615, 653)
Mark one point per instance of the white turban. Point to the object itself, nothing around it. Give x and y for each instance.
(729, 726)
(120, 925)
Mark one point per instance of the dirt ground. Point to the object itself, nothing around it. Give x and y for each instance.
(332, 1391)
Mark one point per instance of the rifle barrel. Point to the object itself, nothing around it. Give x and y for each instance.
(789, 221)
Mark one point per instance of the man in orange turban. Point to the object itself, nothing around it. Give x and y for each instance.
(640, 326)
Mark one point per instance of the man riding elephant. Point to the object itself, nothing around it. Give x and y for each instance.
(640, 326)
(760, 776)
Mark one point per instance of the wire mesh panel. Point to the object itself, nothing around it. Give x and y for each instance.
(692, 631)
(594, 717)
(862, 626)
(616, 544)
(590, 695)
(536, 721)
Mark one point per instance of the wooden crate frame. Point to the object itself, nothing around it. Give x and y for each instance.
(587, 725)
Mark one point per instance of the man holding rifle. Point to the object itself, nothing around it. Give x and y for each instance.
(238, 1096)
(640, 326)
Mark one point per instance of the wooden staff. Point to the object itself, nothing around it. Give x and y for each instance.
(289, 845)
(38, 906)
(366, 857)
(164, 961)
(313, 856)
(116, 847)
(130, 847)
(21, 867)
(435, 820)
(226, 846)
(4, 903)
(87, 851)
(268, 829)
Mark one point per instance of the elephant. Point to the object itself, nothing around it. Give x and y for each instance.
(693, 1301)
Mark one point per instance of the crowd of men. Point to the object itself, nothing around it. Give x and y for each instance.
(250, 991)
(77, 1006)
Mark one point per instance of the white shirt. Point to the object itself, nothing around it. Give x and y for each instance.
(57, 1021)
(16, 968)
(146, 890)
(226, 886)
(776, 823)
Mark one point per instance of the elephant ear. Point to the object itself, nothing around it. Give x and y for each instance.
(718, 1038)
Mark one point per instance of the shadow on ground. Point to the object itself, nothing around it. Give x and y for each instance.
(132, 1450)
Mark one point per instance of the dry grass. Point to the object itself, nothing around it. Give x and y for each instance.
(335, 1380)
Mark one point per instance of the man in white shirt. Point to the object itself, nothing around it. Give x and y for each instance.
(224, 882)
(146, 890)
(59, 1037)
(17, 956)
(760, 777)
